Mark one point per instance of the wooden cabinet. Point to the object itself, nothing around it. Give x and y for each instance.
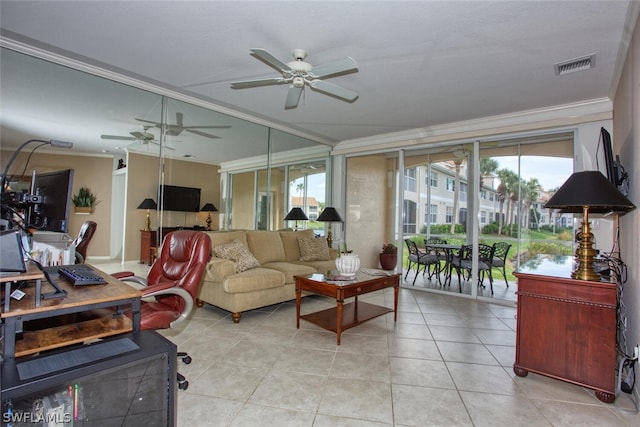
(566, 329)
(147, 241)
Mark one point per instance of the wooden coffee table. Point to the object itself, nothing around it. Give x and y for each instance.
(344, 316)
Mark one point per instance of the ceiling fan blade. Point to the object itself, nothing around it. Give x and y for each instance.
(206, 135)
(207, 127)
(341, 66)
(165, 146)
(335, 90)
(142, 135)
(293, 97)
(269, 59)
(148, 121)
(257, 83)
(122, 138)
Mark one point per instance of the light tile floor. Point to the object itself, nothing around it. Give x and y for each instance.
(447, 361)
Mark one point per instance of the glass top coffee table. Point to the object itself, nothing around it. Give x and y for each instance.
(344, 316)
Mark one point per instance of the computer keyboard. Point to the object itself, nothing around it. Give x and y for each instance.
(80, 274)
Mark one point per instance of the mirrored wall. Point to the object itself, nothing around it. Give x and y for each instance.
(129, 143)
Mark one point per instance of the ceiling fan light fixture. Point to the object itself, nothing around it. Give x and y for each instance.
(298, 82)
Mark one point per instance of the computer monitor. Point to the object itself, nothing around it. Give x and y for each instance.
(56, 191)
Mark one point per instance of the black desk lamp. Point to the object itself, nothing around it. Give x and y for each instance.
(296, 214)
(585, 192)
(148, 204)
(329, 215)
(209, 207)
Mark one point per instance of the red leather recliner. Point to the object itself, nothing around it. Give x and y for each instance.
(81, 242)
(173, 281)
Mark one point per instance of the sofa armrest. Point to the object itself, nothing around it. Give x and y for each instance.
(333, 253)
(218, 269)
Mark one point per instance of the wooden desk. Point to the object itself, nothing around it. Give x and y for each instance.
(79, 302)
(566, 328)
(32, 273)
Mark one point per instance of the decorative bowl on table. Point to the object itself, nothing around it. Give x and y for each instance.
(348, 264)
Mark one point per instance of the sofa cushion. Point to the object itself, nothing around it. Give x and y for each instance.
(290, 270)
(237, 252)
(221, 237)
(218, 269)
(290, 243)
(256, 279)
(266, 246)
(313, 249)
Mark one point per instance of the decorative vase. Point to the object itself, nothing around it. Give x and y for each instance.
(388, 261)
(348, 264)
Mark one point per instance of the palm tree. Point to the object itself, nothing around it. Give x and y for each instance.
(456, 195)
(530, 195)
(487, 167)
(502, 193)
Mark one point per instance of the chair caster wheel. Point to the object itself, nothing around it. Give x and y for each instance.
(186, 360)
(183, 385)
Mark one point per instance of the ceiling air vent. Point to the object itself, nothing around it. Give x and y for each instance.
(577, 64)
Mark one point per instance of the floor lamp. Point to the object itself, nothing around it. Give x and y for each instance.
(585, 192)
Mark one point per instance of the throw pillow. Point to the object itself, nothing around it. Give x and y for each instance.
(238, 253)
(313, 249)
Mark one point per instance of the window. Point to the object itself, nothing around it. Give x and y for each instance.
(449, 215)
(483, 217)
(410, 183)
(409, 217)
(451, 184)
(434, 179)
(483, 194)
(433, 212)
(463, 191)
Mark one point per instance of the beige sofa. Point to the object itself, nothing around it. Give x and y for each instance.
(279, 256)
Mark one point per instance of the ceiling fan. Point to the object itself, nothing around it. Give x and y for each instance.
(140, 138)
(179, 127)
(299, 74)
(135, 136)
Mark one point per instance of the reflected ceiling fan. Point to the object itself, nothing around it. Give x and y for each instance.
(299, 74)
(140, 138)
(177, 128)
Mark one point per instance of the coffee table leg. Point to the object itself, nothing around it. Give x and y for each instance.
(395, 303)
(298, 298)
(339, 319)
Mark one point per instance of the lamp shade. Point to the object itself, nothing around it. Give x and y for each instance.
(209, 207)
(592, 189)
(148, 204)
(296, 214)
(330, 215)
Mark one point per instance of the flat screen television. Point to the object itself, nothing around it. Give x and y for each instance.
(56, 191)
(610, 163)
(181, 199)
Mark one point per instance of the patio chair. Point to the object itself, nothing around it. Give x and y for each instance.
(499, 260)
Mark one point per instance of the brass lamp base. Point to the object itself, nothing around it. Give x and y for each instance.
(585, 253)
(147, 226)
(209, 221)
(329, 237)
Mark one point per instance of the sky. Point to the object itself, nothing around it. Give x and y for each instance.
(551, 172)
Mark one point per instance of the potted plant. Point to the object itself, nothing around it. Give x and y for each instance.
(389, 256)
(347, 262)
(84, 201)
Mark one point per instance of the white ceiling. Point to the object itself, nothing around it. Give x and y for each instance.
(420, 63)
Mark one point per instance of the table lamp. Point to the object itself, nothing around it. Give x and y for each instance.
(329, 215)
(296, 214)
(148, 204)
(209, 207)
(585, 192)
